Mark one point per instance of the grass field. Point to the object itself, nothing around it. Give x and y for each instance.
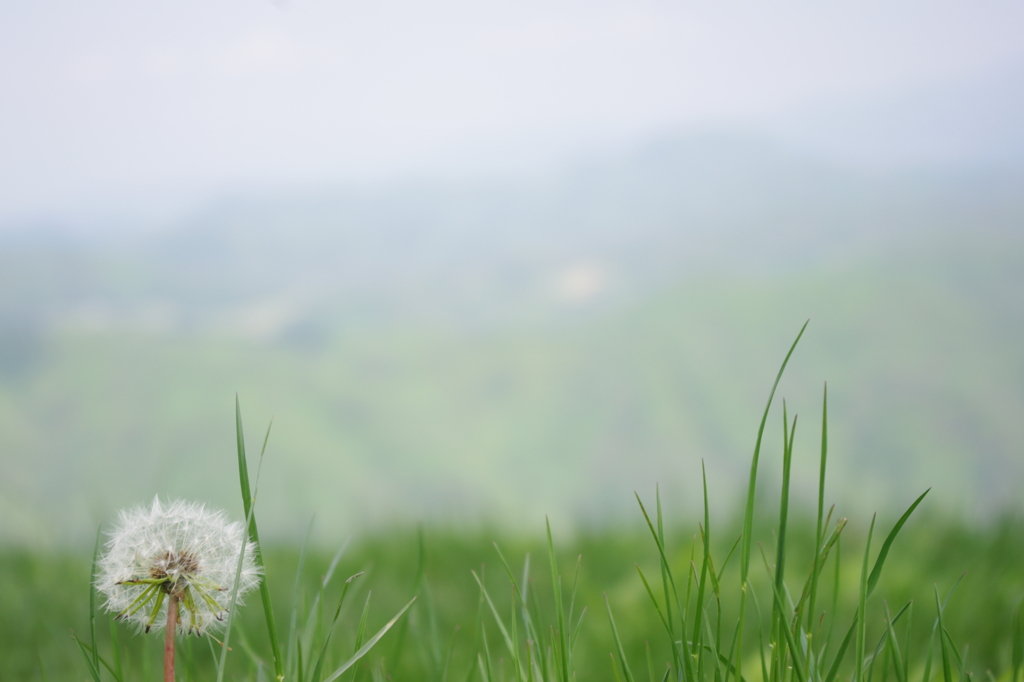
(772, 592)
(45, 596)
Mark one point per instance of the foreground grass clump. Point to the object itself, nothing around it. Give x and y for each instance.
(777, 594)
(45, 594)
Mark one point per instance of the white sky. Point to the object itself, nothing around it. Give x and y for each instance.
(106, 103)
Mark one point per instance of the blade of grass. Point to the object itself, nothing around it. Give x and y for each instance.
(894, 643)
(760, 638)
(243, 478)
(293, 621)
(250, 522)
(778, 610)
(88, 651)
(748, 513)
(882, 643)
(836, 578)
(702, 583)
(931, 641)
(510, 642)
(882, 553)
(448, 655)
(654, 600)
(618, 644)
(819, 528)
(779, 651)
(667, 582)
(318, 668)
(906, 650)
(956, 654)
(487, 668)
(862, 608)
(615, 669)
(532, 630)
(572, 600)
(87, 654)
(576, 629)
(315, 617)
(667, 579)
(820, 557)
(361, 632)
(369, 644)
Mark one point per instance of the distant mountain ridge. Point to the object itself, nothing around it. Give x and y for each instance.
(685, 204)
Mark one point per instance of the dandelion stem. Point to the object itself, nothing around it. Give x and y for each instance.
(172, 629)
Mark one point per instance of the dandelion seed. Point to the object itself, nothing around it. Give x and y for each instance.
(171, 556)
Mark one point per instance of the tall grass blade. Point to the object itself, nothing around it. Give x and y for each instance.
(250, 522)
(882, 553)
(778, 610)
(243, 478)
(668, 583)
(702, 583)
(819, 528)
(748, 513)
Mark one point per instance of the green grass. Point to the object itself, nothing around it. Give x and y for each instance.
(45, 595)
(778, 593)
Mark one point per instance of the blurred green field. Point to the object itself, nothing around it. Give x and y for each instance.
(433, 352)
(418, 421)
(46, 596)
(474, 395)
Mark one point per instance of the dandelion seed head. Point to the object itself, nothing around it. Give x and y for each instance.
(177, 549)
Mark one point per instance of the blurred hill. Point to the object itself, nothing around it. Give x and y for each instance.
(508, 348)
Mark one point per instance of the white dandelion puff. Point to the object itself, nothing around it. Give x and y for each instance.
(179, 550)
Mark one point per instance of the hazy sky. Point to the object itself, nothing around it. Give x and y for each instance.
(117, 103)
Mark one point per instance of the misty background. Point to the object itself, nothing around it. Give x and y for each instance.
(484, 262)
